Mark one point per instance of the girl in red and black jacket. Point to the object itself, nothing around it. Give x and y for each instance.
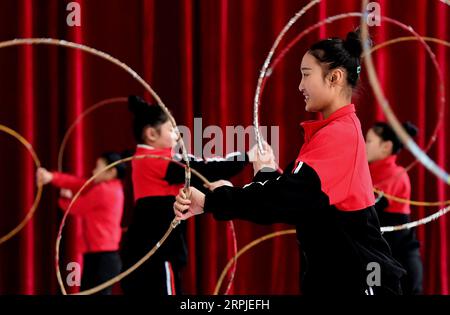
(383, 146)
(100, 208)
(326, 192)
(156, 183)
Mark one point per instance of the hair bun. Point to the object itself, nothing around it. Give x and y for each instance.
(352, 44)
(410, 128)
(136, 105)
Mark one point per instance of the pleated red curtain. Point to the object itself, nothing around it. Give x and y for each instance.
(203, 58)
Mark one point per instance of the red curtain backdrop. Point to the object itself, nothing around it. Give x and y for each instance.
(203, 58)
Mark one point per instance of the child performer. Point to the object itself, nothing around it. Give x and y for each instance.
(383, 146)
(100, 208)
(326, 192)
(156, 183)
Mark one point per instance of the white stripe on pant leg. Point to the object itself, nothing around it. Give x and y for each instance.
(168, 280)
(299, 166)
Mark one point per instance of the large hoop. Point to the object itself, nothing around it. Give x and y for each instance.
(37, 198)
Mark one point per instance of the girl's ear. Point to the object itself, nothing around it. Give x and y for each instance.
(151, 134)
(336, 76)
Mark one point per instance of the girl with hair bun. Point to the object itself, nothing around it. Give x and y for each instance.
(326, 192)
(156, 183)
(383, 147)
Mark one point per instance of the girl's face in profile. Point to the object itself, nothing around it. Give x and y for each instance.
(165, 137)
(376, 148)
(314, 85)
(103, 176)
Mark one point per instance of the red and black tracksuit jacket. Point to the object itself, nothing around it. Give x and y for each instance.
(327, 194)
(393, 179)
(156, 182)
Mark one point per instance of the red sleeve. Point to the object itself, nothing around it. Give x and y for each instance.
(66, 181)
(84, 203)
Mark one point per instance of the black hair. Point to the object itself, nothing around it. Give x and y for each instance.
(111, 157)
(338, 53)
(385, 132)
(145, 115)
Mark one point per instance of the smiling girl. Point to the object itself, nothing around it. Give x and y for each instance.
(326, 192)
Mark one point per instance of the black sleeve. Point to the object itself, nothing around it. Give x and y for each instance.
(213, 169)
(266, 174)
(381, 204)
(286, 199)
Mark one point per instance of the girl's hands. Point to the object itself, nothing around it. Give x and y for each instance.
(262, 160)
(219, 183)
(43, 176)
(66, 193)
(189, 204)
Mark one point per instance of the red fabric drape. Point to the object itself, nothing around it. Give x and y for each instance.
(202, 57)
